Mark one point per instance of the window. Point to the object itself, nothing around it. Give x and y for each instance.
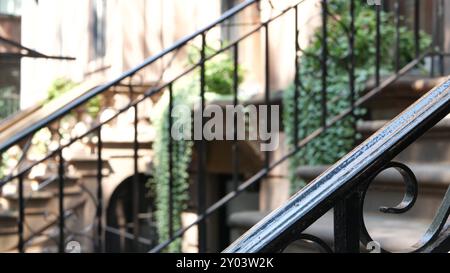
(10, 7)
(9, 87)
(99, 29)
(229, 31)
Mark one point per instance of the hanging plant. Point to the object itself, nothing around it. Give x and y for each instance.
(218, 84)
(339, 139)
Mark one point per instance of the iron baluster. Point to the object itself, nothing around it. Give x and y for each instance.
(347, 224)
(201, 153)
(267, 87)
(61, 245)
(21, 215)
(170, 149)
(435, 37)
(136, 179)
(352, 63)
(324, 61)
(378, 46)
(99, 191)
(441, 32)
(397, 35)
(296, 79)
(235, 147)
(417, 27)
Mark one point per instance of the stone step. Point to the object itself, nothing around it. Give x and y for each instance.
(36, 227)
(393, 232)
(36, 202)
(398, 96)
(86, 166)
(43, 201)
(117, 144)
(8, 221)
(8, 229)
(432, 147)
(51, 182)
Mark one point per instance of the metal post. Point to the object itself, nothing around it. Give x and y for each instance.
(267, 86)
(441, 30)
(61, 245)
(435, 38)
(296, 80)
(235, 147)
(99, 191)
(324, 62)
(417, 26)
(397, 35)
(347, 224)
(201, 186)
(21, 215)
(352, 63)
(378, 46)
(170, 149)
(135, 193)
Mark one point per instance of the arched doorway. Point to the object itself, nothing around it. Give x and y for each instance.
(120, 222)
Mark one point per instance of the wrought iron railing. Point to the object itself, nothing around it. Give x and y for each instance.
(311, 202)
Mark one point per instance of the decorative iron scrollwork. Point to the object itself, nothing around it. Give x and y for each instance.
(436, 238)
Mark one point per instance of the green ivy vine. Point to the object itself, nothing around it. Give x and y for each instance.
(219, 73)
(339, 139)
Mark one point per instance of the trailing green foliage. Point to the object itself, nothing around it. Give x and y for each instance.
(61, 86)
(3, 160)
(339, 139)
(218, 82)
(182, 151)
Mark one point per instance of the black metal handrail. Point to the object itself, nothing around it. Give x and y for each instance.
(345, 178)
(203, 212)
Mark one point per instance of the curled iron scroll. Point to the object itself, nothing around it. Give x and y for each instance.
(435, 230)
